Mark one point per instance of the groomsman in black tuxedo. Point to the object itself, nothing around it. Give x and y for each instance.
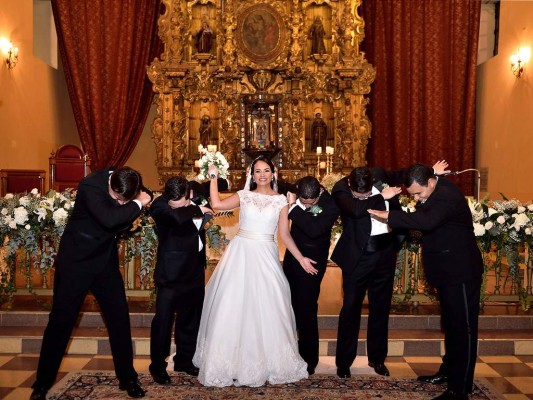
(313, 213)
(180, 215)
(107, 202)
(366, 254)
(453, 265)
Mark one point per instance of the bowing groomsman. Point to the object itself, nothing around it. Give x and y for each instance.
(366, 254)
(452, 264)
(107, 202)
(312, 212)
(180, 215)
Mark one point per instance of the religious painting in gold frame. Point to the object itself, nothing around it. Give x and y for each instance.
(261, 34)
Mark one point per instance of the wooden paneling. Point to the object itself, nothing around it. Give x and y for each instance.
(21, 180)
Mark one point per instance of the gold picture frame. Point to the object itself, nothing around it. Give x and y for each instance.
(261, 34)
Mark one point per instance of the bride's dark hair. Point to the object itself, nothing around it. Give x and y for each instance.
(253, 184)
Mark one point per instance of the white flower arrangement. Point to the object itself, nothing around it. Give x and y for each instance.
(408, 204)
(209, 158)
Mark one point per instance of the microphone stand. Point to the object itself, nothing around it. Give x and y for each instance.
(468, 170)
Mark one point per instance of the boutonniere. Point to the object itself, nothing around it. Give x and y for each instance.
(315, 210)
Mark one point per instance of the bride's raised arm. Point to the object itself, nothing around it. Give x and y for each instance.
(286, 238)
(229, 203)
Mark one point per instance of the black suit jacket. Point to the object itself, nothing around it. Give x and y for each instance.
(449, 249)
(356, 224)
(90, 237)
(179, 262)
(312, 233)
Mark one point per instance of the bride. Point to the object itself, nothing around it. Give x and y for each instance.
(247, 331)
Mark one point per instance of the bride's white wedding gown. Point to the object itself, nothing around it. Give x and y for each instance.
(247, 332)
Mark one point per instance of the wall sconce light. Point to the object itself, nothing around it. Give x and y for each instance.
(518, 60)
(11, 52)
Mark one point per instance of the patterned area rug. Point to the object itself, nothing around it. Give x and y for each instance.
(103, 385)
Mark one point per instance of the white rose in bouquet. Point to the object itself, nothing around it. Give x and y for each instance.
(217, 159)
(479, 230)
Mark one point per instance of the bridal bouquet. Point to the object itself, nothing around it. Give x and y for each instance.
(217, 159)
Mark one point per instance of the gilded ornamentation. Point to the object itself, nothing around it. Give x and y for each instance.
(260, 53)
(157, 136)
(178, 137)
(261, 79)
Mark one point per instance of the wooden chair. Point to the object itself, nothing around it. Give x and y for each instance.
(68, 165)
(21, 180)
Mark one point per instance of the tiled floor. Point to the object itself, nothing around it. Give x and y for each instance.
(510, 375)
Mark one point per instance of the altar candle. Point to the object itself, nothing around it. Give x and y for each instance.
(196, 163)
(200, 148)
(319, 150)
(212, 148)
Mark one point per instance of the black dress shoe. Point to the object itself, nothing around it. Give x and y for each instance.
(160, 377)
(133, 388)
(451, 395)
(38, 393)
(436, 379)
(343, 373)
(380, 368)
(190, 370)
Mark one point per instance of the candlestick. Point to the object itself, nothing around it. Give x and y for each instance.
(319, 150)
(318, 162)
(200, 148)
(329, 163)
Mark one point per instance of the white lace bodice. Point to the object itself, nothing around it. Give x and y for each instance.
(259, 213)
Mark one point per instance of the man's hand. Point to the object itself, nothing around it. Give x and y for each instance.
(307, 265)
(390, 192)
(207, 210)
(439, 167)
(143, 197)
(382, 216)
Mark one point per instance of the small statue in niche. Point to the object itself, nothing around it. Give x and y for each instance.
(262, 129)
(205, 130)
(319, 132)
(317, 34)
(204, 38)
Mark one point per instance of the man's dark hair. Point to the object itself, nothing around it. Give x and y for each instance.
(253, 184)
(126, 182)
(177, 187)
(308, 187)
(418, 173)
(361, 180)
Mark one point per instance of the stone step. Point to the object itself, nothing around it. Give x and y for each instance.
(90, 319)
(402, 342)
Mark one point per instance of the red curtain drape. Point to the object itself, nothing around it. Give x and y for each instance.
(422, 103)
(105, 47)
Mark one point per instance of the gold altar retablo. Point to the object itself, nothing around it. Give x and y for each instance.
(276, 78)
